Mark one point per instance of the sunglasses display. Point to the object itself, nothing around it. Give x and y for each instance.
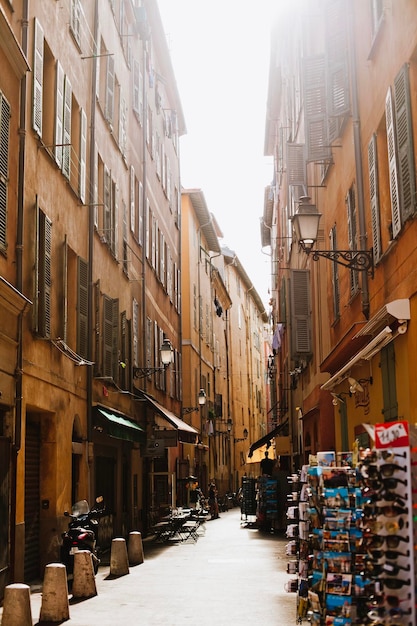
(389, 483)
(395, 583)
(391, 541)
(392, 555)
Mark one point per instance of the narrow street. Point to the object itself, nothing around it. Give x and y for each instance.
(232, 575)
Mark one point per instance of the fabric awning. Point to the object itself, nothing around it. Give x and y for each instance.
(186, 433)
(117, 425)
(266, 439)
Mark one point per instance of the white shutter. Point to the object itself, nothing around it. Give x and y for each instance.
(296, 164)
(405, 149)
(140, 215)
(110, 89)
(374, 197)
(122, 124)
(392, 162)
(59, 113)
(83, 153)
(66, 137)
(38, 78)
(132, 198)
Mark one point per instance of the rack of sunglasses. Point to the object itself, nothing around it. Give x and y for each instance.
(357, 565)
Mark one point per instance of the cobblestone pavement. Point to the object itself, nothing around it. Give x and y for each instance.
(233, 575)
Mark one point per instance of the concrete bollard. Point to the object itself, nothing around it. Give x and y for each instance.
(55, 605)
(16, 605)
(119, 564)
(135, 548)
(84, 583)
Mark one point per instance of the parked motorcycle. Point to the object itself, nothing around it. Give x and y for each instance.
(82, 532)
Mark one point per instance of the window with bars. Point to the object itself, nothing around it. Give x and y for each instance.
(352, 235)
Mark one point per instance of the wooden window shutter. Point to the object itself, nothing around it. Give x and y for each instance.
(66, 136)
(392, 163)
(335, 276)
(45, 278)
(115, 339)
(300, 312)
(374, 197)
(135, 332)
(296, 164)
(389, 386)
(82, 307)
(107, 336)
(4, 167)
(315, 108)
(283, 303)
(83, 154)
(38, 55)
(337, 58)
(405, 149)
(107, 205)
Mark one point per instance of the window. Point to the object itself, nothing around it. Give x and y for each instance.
(135, 332)
(4, 168)
(138, 91)
(43, 282)
(105, 220)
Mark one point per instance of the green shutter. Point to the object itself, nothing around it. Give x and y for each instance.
(389, 386)
(300, 312)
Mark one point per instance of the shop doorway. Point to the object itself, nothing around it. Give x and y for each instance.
(32, 500)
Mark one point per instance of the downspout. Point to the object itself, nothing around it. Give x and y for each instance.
(358, 158)
(19, 285)
(91, 213)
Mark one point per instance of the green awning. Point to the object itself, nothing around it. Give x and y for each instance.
(117, 425)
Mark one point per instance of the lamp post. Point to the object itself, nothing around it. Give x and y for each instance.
(166, 353)
(306, 224)
(245, 436)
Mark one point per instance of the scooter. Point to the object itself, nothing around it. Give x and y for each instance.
(82, 533)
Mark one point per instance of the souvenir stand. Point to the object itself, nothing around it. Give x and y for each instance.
(352, 537)
(267, 505)
(248, 507)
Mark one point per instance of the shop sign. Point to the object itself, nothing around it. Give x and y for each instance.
(391, 435)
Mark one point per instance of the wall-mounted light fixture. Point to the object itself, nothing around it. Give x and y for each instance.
(338, 397)
(357, 385)
(201, 402)
(167, 355)
(306, 225)
(245, 436)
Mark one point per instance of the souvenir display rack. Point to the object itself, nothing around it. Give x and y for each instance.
(267, 507)
(248, 507)
(355, 558)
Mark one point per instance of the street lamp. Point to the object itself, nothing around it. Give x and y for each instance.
(306, 225)
(201, 402)
(245, 436)
(166, 353)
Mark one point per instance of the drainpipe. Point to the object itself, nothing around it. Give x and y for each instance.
(358, 157)
(91, 243)
(19, 286)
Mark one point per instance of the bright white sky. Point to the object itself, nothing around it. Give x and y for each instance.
(220, 54)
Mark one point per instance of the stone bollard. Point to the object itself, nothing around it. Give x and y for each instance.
(119, 564)
(84, 583)
(55, 605)
(135, 548)
(16, 605)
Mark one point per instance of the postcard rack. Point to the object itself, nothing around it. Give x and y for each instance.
(353, 543)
